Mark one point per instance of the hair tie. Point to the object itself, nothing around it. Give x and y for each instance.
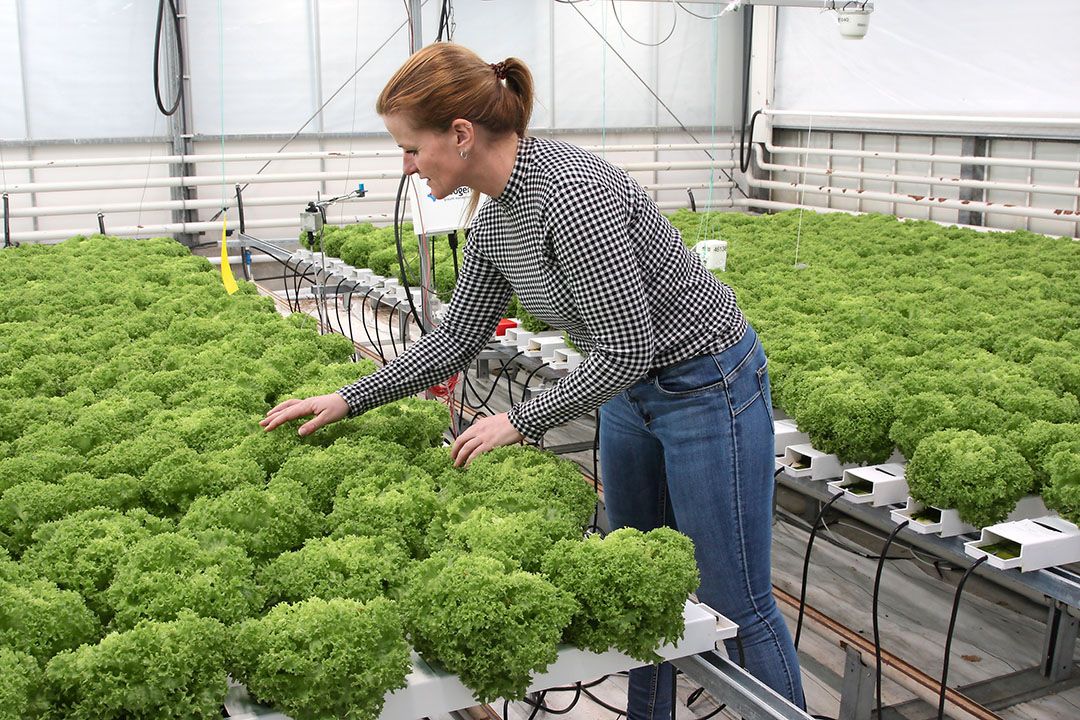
(500, 70)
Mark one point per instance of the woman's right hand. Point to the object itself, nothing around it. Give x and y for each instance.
(326, 409)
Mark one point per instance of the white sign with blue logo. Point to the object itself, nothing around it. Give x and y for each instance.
(433, 217)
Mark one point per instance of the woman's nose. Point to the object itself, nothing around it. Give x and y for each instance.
(408, 164)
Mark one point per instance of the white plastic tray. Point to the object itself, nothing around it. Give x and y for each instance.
(432, 691)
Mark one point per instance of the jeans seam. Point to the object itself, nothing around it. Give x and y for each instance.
(654, 681)
(745, 578)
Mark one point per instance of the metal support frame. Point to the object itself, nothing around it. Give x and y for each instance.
(1058, 587)
(857, 689)
(971, 146)
(744, 695)
(1060, 642)
(181, 139)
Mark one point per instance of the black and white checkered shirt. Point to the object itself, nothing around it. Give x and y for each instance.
(587, 251)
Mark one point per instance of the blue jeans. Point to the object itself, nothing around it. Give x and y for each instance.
(691, 446)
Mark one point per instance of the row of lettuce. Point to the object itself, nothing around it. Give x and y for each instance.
(957, 348)
(156, 541)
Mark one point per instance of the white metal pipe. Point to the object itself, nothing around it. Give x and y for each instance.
(980, 119)
(922, 200)
(218, 180)
(302, 155)
(958, 159)
(190, 228)
(206, 204)
(196, 181)
(916, 179)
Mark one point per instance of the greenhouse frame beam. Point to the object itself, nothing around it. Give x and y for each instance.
(744, 694)
(178, 82)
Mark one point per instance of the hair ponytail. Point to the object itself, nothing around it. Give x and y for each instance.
(445, 81)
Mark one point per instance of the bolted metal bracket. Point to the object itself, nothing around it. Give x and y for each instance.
(857, 689)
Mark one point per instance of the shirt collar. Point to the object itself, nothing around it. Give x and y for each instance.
(512, 190)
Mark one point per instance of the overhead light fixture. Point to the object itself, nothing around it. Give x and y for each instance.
(852, 16)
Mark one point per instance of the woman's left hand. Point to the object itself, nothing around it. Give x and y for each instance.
(483, 435)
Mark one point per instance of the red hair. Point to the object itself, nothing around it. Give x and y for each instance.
(445, 81)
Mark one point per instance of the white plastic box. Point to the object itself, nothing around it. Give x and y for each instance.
(787, 433)
(946, 522)
(1031, 544)
(875, 484)
(803, 461)
(544, 346)
(515, 335)
(565, 359)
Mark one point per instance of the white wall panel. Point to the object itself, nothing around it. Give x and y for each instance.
(956, 57)
(498, 30)
(346, 41)
(266, 69)
(88, 67)
(13, 118)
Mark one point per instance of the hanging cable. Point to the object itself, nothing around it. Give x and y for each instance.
(179, 58)
(877, 589)
(674, 23)
(949, 636)
(652, 92)
(806, 566)
(401, 253)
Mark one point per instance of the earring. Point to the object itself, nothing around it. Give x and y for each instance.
(464, 155)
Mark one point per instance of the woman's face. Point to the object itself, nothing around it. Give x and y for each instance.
(434, 156)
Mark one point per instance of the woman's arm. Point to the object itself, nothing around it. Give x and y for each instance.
(479, 300)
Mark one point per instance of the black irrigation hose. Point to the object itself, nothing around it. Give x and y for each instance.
(806, 567)
(378, 340)
(553, 711)
(744, 160)
(401, 253)
(877, 588)
(528, 378)
(337, 307)
(390, 325)
(601, 703)
(179, 57)
(348, 314)
(949, 636)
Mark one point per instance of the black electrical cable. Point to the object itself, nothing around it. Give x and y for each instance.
(442, 20)
(744, 160)
(601, 703)
(949, 636)
(806, 567)
(556, 711)
(337, 307)
(595, 525)
(375, 322)
(179, 58)
(452, 240)
(390, 325)
(363, 322)
(652, 92)
(877, 588)
(674, 23)
(528, 379)
(348, 314)
(401, 253)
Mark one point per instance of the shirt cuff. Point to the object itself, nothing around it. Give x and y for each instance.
(529, 430)
(353, 399)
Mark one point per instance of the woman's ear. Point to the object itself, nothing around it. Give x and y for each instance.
(464, 135)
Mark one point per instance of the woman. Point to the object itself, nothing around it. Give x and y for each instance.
(686, 435)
